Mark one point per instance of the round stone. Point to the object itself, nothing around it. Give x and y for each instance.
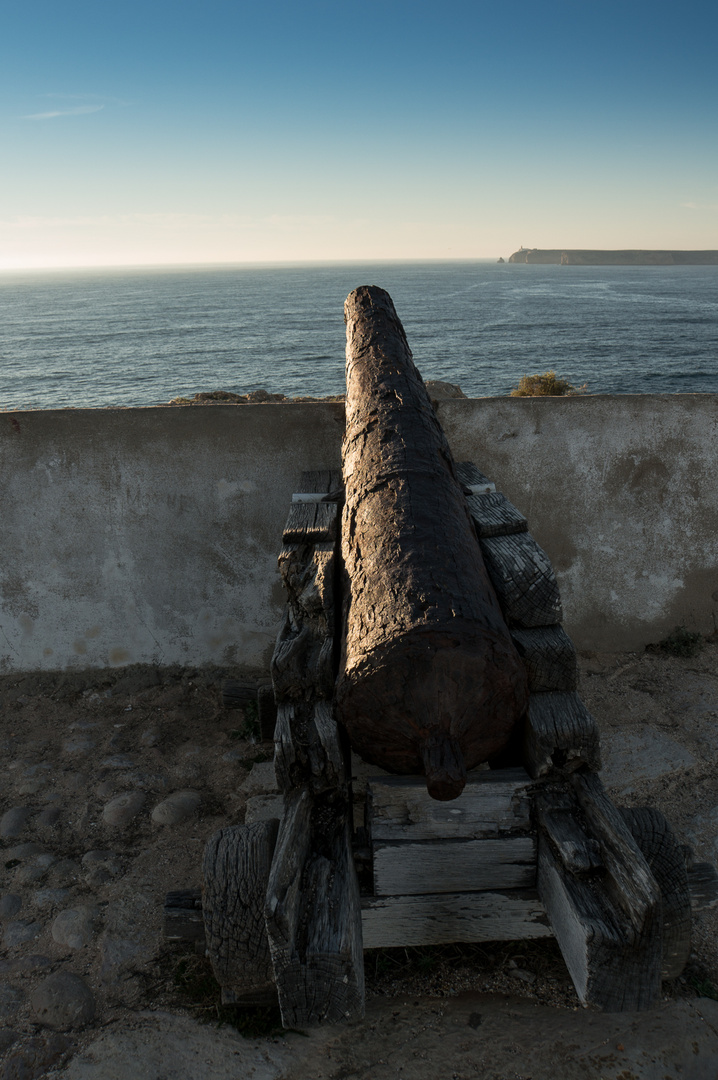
(49, 898)
(63, 1001)
(122, 809)
(63, 873)
(49, 817)
(13, 822)
(74, 927)
(10, 904)
(149, 737)
(20, 931)
(177, 807)
(10, 1000)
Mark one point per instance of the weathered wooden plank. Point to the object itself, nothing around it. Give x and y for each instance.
(302, 664)
(326, 751)
(454, 865)
(182, 913)
(235, 873)
(308, 576)
(316, 480)
(703, 885)
(560, 734)
(472, 479)
(523, 579)
(609, 964)
(493, 515)
(578, 852)
(313, 915)
(493, 803)
(549, 658)
(310, 523)
(633, 885)
(393, 921)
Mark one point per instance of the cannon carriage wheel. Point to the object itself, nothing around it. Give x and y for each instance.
(666, 860)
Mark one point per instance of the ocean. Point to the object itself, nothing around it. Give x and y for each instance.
(129, 337)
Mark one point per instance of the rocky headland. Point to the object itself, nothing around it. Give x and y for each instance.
(628, 257)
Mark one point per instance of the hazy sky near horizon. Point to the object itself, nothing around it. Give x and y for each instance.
(228, 132)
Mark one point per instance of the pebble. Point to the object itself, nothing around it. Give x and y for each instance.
(20, 931)
(149, 737)
(75, 926)
(49, 817)
(7, 1038)
(264, 808)
(99, 867)
(35, 1057)
(10, 904)
(63, 1001)
(35, 870)
(23, 851)
(63, 873)
(31, 962)
(179, 806)
(261, 780)
(235, 754)
(149, 781)
(122, 809)
(523, 976)
(118, 761)
(78, 744)
(13, 822)
(10, 1000)
(49, 897)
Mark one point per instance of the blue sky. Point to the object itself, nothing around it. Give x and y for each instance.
(230, 132)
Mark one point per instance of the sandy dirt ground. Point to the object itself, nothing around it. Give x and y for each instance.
(111, 783)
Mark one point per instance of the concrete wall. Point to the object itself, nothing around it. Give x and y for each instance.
(151, 535)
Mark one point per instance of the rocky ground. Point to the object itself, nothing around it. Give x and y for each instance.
(113, 781)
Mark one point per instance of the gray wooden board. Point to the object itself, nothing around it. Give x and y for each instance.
(524, 581)
(393, 921)
(470, 476)
(548, 656)
(560, 733)
(493, 803)
(311, 522)
(454, 865)
(493, 515)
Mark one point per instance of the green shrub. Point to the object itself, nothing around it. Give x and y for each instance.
(547, 385)
(682, 642)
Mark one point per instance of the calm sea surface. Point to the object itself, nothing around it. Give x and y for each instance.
(141, 337)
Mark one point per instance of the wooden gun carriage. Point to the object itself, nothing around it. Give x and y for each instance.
(462, 837)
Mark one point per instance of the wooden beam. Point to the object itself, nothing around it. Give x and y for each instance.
(393, 921)
(548, 656)
(454, 865)
(493, 803)
(523, 579)
(560, 735)
(493, 515)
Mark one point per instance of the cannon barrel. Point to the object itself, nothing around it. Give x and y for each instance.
(429, 680)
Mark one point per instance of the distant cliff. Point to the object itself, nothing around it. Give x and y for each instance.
(579, 257)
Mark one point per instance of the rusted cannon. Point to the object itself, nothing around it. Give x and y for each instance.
(429, 680)
(443, 589)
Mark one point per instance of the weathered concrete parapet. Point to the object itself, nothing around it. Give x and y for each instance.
(621, 492)
(150, 535)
